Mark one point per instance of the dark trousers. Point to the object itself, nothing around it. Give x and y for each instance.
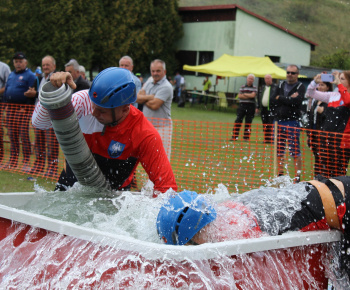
(43, 139)
(17, 118)
(332, 160)
(205, 97)
(177, 94)
(40, 150)
(267, 120)
(247, 111)
(52, 150)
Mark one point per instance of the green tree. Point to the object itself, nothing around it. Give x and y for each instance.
(96, 33)
(144, 30)
(7, 29)
(339, 60)
(59, 28)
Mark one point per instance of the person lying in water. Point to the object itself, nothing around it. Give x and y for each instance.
(188, 218)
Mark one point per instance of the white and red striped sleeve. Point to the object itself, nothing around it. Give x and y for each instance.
(81, 103)
(40, 118)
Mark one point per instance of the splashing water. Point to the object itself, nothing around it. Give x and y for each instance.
(43, 259)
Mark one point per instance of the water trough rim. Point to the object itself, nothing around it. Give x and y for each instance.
(157, 251)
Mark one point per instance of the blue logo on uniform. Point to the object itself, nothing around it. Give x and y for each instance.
(115, 149)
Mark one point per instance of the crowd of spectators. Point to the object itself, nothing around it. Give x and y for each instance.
(281, 104)
(327, 122)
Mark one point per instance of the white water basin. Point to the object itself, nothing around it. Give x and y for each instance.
(8, 202)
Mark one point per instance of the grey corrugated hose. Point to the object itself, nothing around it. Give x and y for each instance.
(70, 137)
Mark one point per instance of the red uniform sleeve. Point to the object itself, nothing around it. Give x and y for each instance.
(156, 163)
(344, 95)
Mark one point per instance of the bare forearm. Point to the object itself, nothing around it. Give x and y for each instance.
(250, 95)
(143, 98)
(152, 105)
(246, 96)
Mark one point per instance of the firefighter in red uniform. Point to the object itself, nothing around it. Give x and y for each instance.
(118, 135)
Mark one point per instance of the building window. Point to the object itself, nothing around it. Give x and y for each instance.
(205, 57)
(188, 57)
(274, 58)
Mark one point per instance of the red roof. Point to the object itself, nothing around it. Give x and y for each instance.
(234, 7)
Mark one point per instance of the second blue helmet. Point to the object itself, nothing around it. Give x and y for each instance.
(182, 216)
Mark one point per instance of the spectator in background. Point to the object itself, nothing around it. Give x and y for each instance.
(82, 72)
(194, 96)
(19, 110)
(335, 135)
(206, 88)
(73, 68)
(264, 105)
(177, 82)
(316, 117)
(4, 74)
(286, 103)
(139, 75)
(38, 71)
(127, 63)
(156, 95)
(246, 109)
(44, 138)
(182, 99)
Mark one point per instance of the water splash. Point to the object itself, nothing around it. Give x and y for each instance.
(33, 258)
(61, 262)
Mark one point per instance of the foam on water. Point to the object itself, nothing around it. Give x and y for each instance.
(57, 261)
(127, 214)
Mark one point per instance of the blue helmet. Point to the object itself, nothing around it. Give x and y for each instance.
(182, 216)
(113, 87)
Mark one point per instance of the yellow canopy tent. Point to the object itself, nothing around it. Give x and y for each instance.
(235, 66)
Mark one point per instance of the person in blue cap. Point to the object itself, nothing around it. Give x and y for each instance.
(38, 71)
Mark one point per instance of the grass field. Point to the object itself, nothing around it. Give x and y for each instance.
(202, 157)
(200, 112)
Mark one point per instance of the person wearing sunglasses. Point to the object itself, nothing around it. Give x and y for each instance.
(286, 105)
